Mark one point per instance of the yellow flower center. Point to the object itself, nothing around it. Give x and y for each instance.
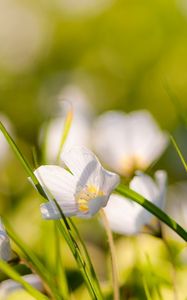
(131, 164)
(88, 193)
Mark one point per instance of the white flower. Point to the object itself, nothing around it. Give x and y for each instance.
(83, 191)
(5, 249)
(9, 286)
(78, 99)
(126, 216)
(128, 142)
(79, 133)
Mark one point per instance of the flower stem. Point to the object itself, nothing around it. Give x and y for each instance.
(152, 208)
(112, 255)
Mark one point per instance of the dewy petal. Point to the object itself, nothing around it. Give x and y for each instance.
(60, 184)
(125, 216)
(5, 249)
(9, 286)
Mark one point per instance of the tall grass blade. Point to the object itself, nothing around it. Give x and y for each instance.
(179, 152)
(10, 272)
(63, 224)
(66, 129)
(33, 261)
(146, 289)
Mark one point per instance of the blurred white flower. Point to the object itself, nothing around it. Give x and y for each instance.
(80, 193)
(176, 207)
(128, 217)
(74, 94)
(5, 249)
(9, 286)
(128, 142)
(79, 133)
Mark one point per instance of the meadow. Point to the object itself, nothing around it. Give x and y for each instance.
(93, 139)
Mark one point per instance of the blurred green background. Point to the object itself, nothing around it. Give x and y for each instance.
(124, 54)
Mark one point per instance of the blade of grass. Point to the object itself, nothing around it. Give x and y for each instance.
(10, 272)
(32, 260)
(59, 268)
(146, 289)
(161, 215)
(66, 129)
(64, 227)
(179, 152)
(87, 256)
(21, 158)
(112, 254)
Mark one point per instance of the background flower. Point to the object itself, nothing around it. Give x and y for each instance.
(127, 217)
(128, 142)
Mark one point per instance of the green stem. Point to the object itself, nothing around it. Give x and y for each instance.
(112, 255)
(152, 208)
(59, 267)
(87, 257)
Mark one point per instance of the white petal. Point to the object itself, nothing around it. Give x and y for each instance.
(53, 136)
(111, 138)
(50, 211)
(125, 216)
(148, 141)
(79, 134)
(5, 249)
(145, 186)
(59, 182)
(84, 165)
(78, 99)
(8, 286)
(111, 180)
(161, 180)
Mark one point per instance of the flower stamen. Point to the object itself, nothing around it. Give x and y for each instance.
(86, 194)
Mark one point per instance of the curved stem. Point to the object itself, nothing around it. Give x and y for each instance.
(112, 254)
(155, 210)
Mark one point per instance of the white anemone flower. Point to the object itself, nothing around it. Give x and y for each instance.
(128, 142)
(9, 286)
(128, 217)
(80, 193)
(5, 249)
